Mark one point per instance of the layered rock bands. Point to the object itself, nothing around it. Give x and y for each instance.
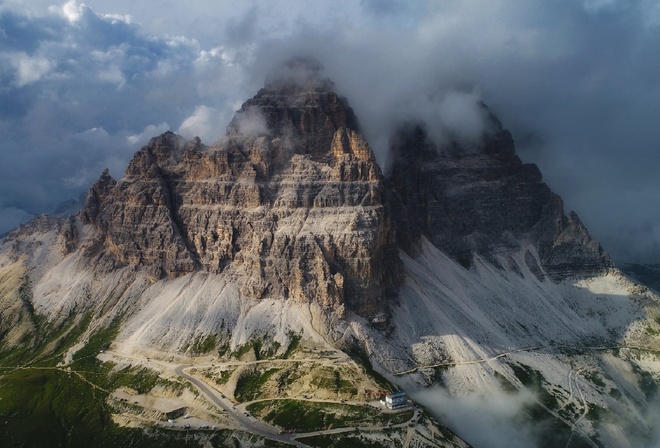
(292, 203)
(291, 200)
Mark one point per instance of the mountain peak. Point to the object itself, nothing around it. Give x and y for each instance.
(291, 204)
(487, 202)
(294, 204)
(97, 194)
(298, 106)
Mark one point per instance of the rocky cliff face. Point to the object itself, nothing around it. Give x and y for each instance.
(291, 202)
(484, 200)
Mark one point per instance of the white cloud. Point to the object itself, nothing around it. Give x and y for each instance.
(461, 114)
(451, 115)
(93, 134)
(115, 18)
(250, 123)
(205, 123)
(72, 11)
(30, 69)
(113, 75)
(220, 53)
(148, 132)
(499, 416)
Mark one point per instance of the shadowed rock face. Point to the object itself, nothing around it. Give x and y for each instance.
(291, 202)
(484, 200)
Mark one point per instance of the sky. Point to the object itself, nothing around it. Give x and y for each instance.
(577, 82)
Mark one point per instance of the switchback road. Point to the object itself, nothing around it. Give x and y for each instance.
(249, 423)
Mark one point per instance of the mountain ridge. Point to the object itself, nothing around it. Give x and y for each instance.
(296, 146)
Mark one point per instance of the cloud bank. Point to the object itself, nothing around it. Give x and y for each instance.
(485, 422)
(82, 91)
(499, 419)
(575, 81)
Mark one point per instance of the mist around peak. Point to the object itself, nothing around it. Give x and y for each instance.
(301, 71)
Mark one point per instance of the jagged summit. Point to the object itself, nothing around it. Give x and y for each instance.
(291, 204)
(297, 106)
(97, 194)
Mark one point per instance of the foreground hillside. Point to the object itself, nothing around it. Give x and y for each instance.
(268, 289)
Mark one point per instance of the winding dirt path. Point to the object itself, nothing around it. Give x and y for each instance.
(518, 350)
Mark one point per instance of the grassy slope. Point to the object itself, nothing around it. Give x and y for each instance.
(44, 406)
(305, 416)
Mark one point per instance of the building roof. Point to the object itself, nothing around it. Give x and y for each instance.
(396, 395)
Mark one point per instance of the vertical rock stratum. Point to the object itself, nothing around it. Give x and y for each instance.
(291, 202)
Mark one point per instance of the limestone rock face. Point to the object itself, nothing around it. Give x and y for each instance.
(291, 202)
(483, 200)
(292, 205)
(136, 216)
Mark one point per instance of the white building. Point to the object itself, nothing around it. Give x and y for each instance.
(396, 400)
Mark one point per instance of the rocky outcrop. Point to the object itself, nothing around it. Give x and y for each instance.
(567, 249)
(484, 200)
(97, 195)
(69, 235)
(17, 320)
(136, 217)
(291, 203)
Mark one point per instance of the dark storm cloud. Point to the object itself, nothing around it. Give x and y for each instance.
(385, 7)
(18, 33)
(575, 81)
(82, 91)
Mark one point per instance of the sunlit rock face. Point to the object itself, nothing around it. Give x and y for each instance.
(291, 201)
(293, 205)
(481, 199)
